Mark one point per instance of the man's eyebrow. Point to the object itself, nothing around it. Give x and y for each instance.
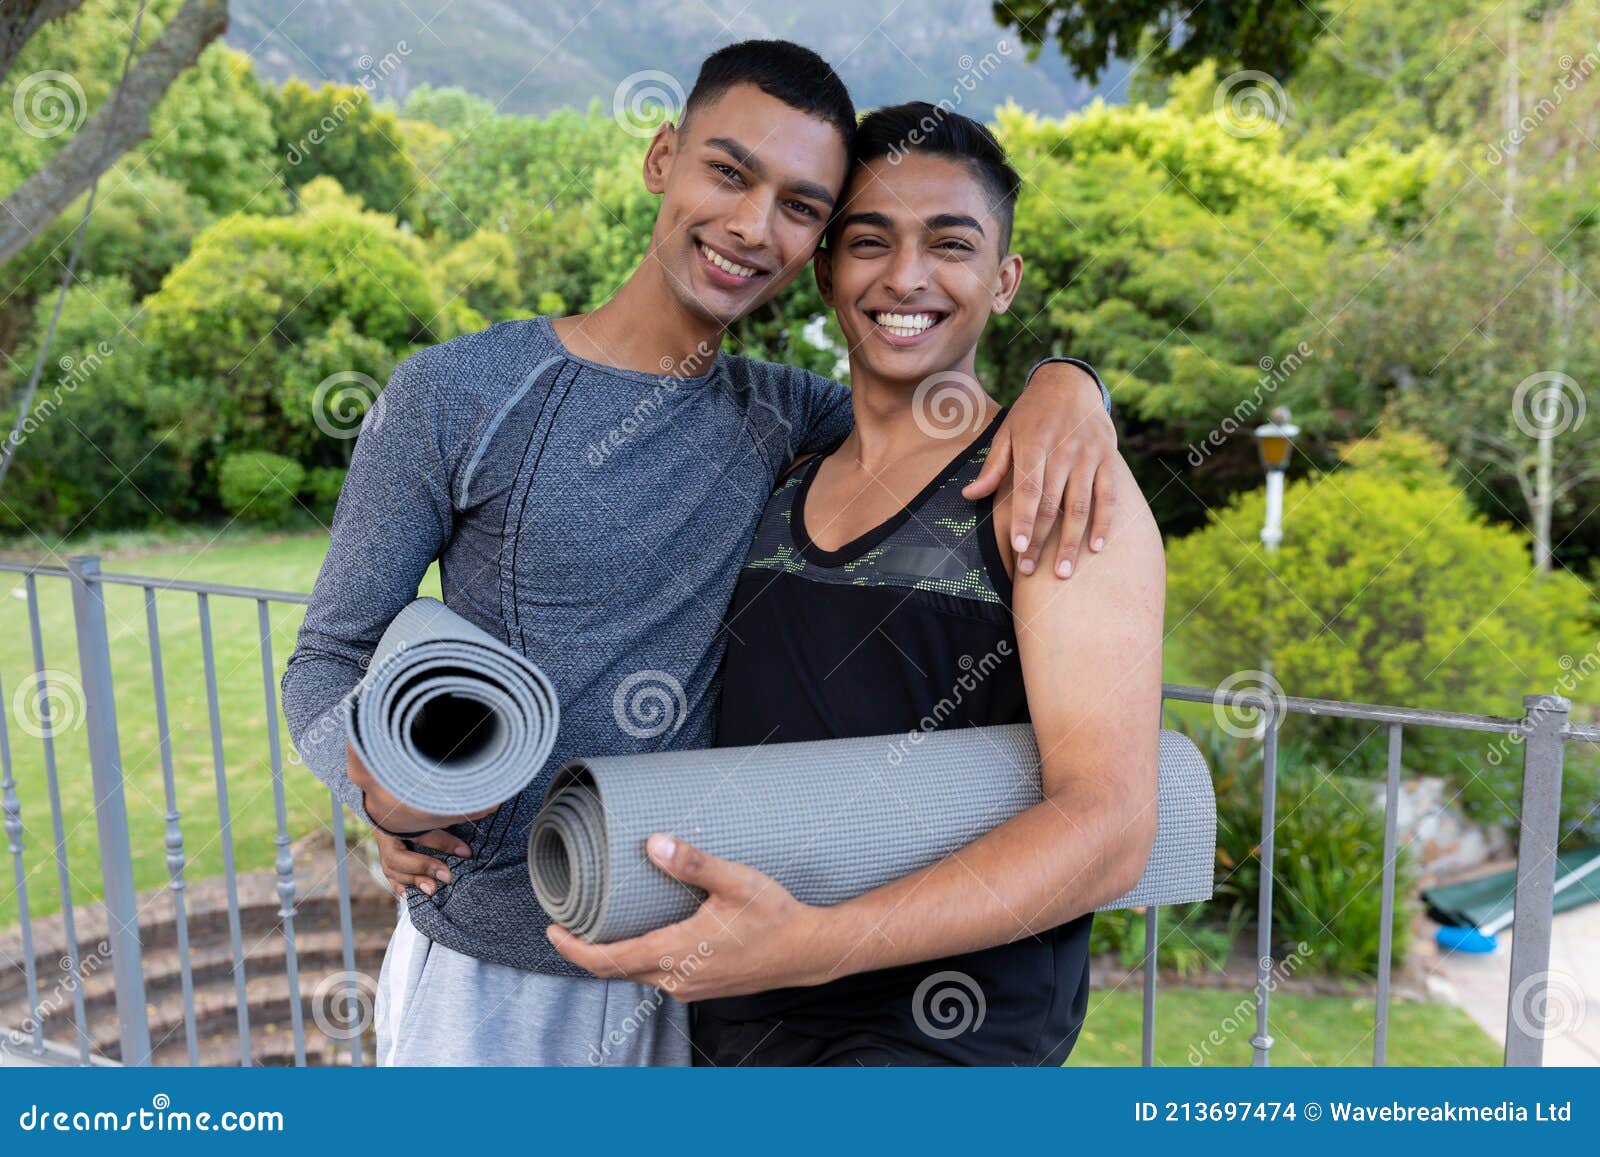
(876, 220)
(951, 221)
(739, 153)
(808, 189)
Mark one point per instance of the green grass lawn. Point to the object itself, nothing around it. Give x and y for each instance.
(1306, 1030)
(242, 558)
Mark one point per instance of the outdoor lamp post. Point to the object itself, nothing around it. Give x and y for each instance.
(1275, 441)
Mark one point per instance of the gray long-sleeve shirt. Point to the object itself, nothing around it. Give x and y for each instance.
(593, 518)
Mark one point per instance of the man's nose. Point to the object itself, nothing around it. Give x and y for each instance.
(907, 274)
(750, 223)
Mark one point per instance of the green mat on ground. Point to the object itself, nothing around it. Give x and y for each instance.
(1473, 903)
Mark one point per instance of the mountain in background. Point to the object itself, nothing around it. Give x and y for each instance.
(533, 56)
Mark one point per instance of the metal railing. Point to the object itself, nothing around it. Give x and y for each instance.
(1544, 730)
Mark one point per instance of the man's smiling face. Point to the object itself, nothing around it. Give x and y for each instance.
(747, 184)
(914, 267)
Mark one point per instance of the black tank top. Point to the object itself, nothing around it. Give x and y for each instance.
(908, 627)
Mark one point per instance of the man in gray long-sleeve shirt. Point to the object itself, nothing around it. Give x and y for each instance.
(589, 486)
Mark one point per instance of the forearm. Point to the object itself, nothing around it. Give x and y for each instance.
(1071, 370)
(317, 691)
(1059, 859)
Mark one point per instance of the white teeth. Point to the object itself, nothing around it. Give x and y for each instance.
(906, 324)
(723, 263)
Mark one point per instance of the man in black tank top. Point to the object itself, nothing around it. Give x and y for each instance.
(877, 600)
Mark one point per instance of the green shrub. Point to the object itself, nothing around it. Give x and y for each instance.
(1189, 940)
(258, 486)
(1327, 853)
(1388, 588)
(321, 490)
(245, 331)
(87, 458)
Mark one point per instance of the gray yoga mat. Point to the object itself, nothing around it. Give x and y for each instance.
(828, 820)
(448, 718)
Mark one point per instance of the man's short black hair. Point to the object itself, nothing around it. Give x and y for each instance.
(920, 127)
(788, 72)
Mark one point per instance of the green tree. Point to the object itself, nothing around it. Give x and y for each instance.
(1169, 35)
(213, 132)
(337, 131)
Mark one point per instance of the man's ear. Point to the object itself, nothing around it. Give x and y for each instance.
(822, 270)
(658, 158)
(1010, 281)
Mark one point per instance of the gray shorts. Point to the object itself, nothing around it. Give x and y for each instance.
(437, 1007)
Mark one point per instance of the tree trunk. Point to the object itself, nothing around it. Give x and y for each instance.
(39, 199)
(20, 19)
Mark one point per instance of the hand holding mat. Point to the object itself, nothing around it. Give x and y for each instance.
(448, 718)
(827, 819)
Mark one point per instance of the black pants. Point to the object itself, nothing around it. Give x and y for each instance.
(730, 1044)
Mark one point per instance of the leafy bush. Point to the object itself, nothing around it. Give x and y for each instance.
(259, 486)
(264, 309)
(1189, 942)
(1327, 854)
(1388, 588)
(86, 459)
(321, 490)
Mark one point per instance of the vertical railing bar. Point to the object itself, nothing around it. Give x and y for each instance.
(11, 809)
(1261, 1042)
(347, 936)
(283, 863)
(69, 921)
(1539, 830)
(174, 832)
(1391, 809)
(1147, 1043)
(226, 819)
(110, 807)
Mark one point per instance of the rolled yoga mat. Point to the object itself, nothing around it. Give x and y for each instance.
(827, 819)
(448, 718)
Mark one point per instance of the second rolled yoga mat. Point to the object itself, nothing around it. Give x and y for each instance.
(827, 819)
(448, 718)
